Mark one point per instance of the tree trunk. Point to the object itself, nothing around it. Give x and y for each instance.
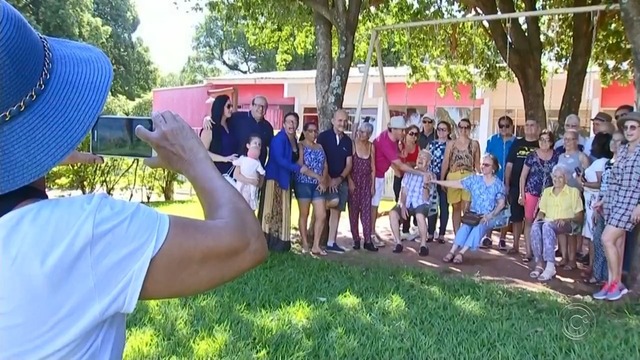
(578, 64)
(630, 11)
(332, 76)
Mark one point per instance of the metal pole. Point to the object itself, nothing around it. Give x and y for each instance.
(560, 11)
(363, 85)
(383, 83)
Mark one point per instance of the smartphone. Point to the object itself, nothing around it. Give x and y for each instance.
(115, 136)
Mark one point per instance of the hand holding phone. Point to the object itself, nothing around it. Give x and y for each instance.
(115, 136)
(176, 144)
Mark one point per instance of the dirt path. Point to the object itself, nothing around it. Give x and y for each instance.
(489, 264)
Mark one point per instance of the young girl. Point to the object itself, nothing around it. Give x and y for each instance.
(249, 168)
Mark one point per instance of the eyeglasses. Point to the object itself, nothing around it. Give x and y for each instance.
(260, 106)
(484, 165)
(630, 127)
(544, 140)
(443, 129)
(413, 133)
(570, 139)
(504, 126)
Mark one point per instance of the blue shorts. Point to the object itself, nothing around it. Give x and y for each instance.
(342, 195)
(306, 191)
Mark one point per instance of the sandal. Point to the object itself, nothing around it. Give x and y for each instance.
(447, 258)
(536, 273)
(319, 253)
(527, 259)
(441, 240)
(568, 267)
(590, 281)
(458, 259)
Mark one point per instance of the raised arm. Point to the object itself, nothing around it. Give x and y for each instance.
(454, 184)
(199, 255)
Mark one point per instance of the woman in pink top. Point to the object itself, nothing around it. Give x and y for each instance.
(387, 155)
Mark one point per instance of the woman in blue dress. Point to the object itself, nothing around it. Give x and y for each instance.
(487, 202)
(215, 135)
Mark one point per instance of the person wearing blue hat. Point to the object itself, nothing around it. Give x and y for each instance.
(72, 268)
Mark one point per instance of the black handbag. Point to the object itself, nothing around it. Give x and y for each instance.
(470, 218)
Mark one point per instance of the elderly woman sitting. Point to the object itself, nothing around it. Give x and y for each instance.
(560, 207)
(487, 201)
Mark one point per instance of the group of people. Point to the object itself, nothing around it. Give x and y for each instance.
(556, 192)
(568, 191)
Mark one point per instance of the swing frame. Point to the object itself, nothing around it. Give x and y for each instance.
(374, 44)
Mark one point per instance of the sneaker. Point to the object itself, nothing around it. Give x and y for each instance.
(335, 248)
(502, 245)
(356, 245)
(616, 291)
(369, 246)
(602, 294)
(398, 248)
(486, 243)
(424, 251)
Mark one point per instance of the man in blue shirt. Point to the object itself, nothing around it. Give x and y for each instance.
(338, 149)
(244, 124)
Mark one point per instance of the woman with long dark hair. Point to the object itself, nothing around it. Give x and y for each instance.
(215, 135)
(276, 219)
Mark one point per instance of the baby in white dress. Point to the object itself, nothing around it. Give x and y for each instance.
(250, 168)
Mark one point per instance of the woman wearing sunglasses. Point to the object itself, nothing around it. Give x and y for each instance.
(620, 205)
(409, 150)
(215, 135)
(461, 159)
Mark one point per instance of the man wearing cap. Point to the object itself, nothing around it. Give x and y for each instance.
(71, 269)
(428, 133)
(386, 155)
(602, 122)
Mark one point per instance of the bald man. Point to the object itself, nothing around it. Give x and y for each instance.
(338, 149)
(572, 122)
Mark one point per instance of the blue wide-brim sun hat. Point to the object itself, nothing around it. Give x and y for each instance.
(51, 94)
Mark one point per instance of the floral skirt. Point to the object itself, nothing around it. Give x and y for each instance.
(276, 217)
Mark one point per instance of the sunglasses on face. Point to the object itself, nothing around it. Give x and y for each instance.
(443, 129)
(427, 121)
(504, 126)
(413, 133)
(229, 106)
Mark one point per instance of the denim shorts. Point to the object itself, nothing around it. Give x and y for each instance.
(306, 191)
(342, 195)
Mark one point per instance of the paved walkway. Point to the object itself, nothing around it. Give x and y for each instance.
(489, 264)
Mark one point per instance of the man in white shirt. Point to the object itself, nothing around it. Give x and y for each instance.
(71, 269)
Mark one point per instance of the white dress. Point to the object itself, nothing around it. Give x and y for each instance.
(591, 195)
(249, 168)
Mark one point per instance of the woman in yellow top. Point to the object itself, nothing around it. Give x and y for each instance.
(559, 207)
(461, 159)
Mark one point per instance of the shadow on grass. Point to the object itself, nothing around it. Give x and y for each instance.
(298, 307)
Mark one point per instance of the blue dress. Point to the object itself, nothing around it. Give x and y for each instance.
(484, 199)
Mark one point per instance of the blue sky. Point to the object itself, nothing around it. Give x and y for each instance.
(167, 30)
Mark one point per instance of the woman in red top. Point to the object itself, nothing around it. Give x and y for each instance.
(409, 150)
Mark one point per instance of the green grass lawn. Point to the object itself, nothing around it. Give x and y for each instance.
(295, 307)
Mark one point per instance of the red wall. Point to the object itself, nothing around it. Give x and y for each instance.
(188, 102)
(424, 94)
(615, 95)
(273, 92)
